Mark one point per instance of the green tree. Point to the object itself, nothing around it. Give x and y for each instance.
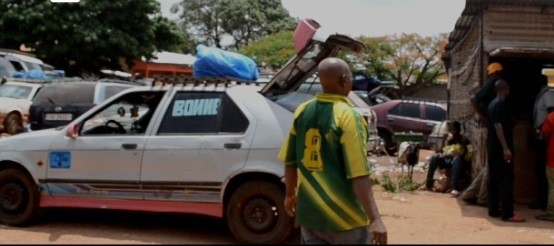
(273, 51)
(409, 59)
(88, 35)
(245, 21)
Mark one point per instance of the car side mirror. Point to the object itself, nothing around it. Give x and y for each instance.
(72, 131)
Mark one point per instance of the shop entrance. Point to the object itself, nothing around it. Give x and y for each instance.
(523, 74)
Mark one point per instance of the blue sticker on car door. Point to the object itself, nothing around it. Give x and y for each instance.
(60, 159)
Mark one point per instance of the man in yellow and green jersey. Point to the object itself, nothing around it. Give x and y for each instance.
(326, 168)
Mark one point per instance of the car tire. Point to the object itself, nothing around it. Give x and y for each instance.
(19, 198)
(389, 146)
(256, 214)
(12, 123)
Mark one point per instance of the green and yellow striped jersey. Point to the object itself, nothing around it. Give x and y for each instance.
(327, 143)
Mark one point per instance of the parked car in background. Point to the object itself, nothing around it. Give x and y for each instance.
(15, 100)
(7, 70)
(21, 61)
(57, 104)
(418, 116)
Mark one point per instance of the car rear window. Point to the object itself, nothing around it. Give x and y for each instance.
(406, 110)
(63, 94)
(435, 113)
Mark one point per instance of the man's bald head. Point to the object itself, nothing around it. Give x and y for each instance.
(502, 88)
(335, 76)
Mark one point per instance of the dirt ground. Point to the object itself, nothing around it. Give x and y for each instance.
(419, 217)
(423, 217)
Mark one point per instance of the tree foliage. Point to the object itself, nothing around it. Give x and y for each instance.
(245, 21)
(273, 51)
(409, 59)
(88, 35)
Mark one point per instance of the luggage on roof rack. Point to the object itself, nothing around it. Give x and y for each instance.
(214, 62)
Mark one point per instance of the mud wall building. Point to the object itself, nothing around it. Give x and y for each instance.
(520, 35)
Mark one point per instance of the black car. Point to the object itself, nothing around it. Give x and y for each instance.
(58, 104)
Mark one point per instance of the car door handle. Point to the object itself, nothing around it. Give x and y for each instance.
(232, 145)
(129, 146)
(390, 119)
(430, 124)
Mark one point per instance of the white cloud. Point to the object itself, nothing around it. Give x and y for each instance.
(380, 17)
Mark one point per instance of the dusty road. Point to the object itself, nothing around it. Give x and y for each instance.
(420, 217)
(411, 218)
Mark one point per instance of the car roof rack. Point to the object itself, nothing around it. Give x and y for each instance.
(205, 81)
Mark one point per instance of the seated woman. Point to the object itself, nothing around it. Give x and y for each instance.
(451, 156)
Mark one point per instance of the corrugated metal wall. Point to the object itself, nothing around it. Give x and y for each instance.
(521, 27)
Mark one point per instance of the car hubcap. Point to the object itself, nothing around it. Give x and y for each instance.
(260, 215)
(11, 197)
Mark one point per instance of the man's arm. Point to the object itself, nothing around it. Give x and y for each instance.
(291, 176)
(547, 128)
(364, 192)
(502, 139)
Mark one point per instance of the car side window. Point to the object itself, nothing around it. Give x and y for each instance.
(406, 110)
(232, 118)
(435, 113)
(202, 113)
(128, 115)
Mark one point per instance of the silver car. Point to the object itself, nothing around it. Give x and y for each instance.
(206, 147)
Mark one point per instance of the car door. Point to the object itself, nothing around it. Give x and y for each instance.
(202, 138)
(406, 117)
(104, 160)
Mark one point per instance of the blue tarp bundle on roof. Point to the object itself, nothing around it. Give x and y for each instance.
(214, 62)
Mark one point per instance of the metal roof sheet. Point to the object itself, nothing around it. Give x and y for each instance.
(473, 8)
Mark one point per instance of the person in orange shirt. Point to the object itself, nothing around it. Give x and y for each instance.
(548, 133)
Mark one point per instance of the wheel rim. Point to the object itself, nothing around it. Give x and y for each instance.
(12, 197)
(260, 215)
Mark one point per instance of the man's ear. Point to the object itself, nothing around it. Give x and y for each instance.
(343, 80)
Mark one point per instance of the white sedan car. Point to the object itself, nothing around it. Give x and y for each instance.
(208, 147)
(15, 100)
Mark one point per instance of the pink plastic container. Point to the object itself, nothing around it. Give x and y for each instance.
(304, 32)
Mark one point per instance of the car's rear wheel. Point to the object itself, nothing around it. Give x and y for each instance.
(256, 214)
(12, 123)
(19, 197)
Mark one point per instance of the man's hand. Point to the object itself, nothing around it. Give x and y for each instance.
(507, 155)
(378, 231)
(290, 205)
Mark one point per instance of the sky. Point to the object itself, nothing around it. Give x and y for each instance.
(372, 17)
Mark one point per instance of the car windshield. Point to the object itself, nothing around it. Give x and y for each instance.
(15, 91)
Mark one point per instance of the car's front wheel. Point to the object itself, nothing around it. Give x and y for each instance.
(256, 214)
(19, 198)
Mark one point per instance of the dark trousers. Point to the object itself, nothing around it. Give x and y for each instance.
(501, 184)
(540, 172)
(439, 162)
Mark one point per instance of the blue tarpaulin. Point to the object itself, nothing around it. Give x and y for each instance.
(215, 62)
